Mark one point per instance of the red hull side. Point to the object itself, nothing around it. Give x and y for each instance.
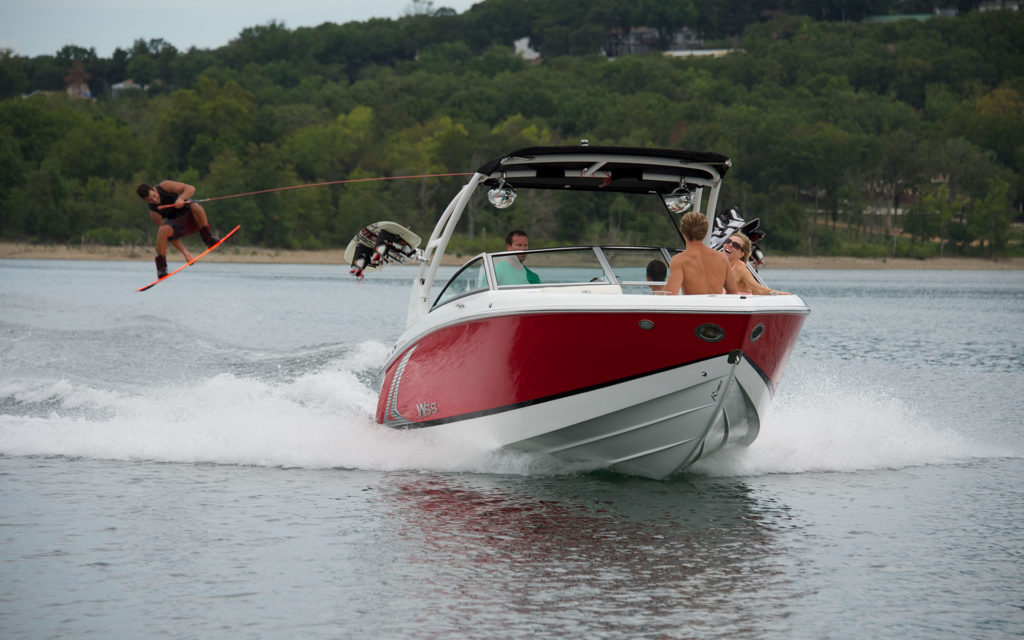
(502, 362)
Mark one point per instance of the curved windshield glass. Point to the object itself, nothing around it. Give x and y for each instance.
(576, 265)
(469, 279)
(637, 269)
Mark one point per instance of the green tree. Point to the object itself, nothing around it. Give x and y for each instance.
(989, 219)
(667, 17)
(936, 212)
(12, 176)
(996, 121)
(43, 204)
(329, 152)
(142, 69)
(199, 124)
(98, 147)
(420, 151)
(13, 74)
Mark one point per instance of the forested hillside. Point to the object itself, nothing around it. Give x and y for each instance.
(902, 137)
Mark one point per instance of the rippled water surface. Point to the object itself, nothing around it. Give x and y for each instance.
(200, 460)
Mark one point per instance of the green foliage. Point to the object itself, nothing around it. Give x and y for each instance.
(990, 218)
(843, 135)
(867, 251)
(905, 248)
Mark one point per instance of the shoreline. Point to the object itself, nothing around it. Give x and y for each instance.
(257, 255)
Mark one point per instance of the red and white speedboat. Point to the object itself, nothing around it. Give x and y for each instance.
(587, 365)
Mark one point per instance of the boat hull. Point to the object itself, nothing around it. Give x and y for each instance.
(641, 391)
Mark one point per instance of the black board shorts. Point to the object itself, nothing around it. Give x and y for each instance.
(183, 226)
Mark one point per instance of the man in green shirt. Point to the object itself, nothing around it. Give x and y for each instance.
(510, 270)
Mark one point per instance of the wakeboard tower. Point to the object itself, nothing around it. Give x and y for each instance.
(381, 243)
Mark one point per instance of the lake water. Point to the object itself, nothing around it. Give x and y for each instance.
(201, 461)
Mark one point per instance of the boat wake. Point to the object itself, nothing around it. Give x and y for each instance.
(323, 419)
(320, 419)
(826, 420)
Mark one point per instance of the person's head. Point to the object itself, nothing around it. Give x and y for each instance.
(738, 244)
(656, 271)
(147, 193)
(517, 241)
(694, 226)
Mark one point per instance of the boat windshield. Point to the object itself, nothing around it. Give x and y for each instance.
(624, 269)
(469, 279)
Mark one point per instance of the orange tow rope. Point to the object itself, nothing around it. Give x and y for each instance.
(323, 184)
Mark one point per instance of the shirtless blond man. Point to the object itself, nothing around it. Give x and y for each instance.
(699, 269)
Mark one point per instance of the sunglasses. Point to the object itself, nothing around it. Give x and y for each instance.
(734, 244)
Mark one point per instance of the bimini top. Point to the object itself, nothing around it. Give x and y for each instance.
(616, 169)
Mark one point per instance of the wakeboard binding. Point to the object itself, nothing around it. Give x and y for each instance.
(379, 244)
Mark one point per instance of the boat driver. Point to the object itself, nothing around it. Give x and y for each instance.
(510, 270)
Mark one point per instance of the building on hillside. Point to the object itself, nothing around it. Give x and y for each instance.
(641, 40)
(999, 5)
(125, 85)
(524, 51)
(79, 90)
(700, 53)
(920, 17)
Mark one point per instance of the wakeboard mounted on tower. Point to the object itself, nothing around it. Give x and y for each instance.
(381, 243)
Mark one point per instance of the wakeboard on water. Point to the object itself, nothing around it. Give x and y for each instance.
(192, 261)
(381, 243)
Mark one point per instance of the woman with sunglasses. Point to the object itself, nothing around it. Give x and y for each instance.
(737, 250)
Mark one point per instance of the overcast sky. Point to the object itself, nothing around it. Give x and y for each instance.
(41, 27)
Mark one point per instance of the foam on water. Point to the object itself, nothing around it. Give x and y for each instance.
(321, 419)
(822, 421)
(827, 419)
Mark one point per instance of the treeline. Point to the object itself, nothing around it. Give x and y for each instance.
(343, 50)
(903, 137)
